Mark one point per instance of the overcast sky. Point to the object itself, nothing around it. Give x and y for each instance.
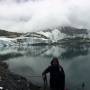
(34, 15)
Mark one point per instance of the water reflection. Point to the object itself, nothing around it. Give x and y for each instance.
(9, 55)
(34, 50)
(75, 51)
(67, 52)
(79, 71)
(64, 52)
(74, 59)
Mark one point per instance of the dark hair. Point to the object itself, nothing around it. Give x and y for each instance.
(55, 59)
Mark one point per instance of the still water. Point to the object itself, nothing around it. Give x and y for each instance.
(34, 59)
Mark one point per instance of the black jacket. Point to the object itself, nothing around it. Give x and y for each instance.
(57, 76)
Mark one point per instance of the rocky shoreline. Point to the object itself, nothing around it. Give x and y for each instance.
(11, 81)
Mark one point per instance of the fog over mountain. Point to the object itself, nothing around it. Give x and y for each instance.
(35, 15)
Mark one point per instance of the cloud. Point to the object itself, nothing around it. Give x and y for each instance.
(34, 15)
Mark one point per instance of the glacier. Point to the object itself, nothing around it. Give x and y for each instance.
(45, 37)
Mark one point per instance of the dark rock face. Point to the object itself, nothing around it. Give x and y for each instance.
(10, 81)
(9, 55)
(73, 31)
(9, 34)
(14, 82)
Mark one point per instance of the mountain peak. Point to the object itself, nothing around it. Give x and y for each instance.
(9, 34)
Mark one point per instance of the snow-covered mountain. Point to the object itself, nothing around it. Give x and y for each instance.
(50, 36)
(55, 35)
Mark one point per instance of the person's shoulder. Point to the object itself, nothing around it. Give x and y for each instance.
(60, 68)
(49, 66)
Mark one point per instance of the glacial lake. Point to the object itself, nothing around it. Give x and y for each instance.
(31, 61)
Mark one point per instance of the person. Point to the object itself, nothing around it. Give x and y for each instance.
(57, 75)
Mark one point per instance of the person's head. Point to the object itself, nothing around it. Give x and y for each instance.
(55, 61)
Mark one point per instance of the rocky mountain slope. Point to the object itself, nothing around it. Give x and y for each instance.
(9, 34)
(45, 37)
